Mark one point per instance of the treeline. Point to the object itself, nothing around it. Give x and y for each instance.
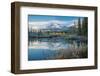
(80, 28)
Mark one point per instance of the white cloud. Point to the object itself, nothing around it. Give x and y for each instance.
(44, 24)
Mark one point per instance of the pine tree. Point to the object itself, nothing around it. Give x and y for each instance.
(85, 26)
(79, 26)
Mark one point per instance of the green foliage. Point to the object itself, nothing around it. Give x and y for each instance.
(85, 26)
(79, 27)
(82, 26)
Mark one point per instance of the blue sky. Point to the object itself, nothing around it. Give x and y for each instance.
(48, 18)
(42, 21)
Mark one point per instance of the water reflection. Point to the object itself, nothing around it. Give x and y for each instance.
(56, 48)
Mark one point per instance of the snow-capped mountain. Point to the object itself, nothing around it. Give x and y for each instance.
(54, 26)
(58, 25)
(51, 25)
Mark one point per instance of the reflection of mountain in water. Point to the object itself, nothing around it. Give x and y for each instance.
(56, 48)
(58, 41)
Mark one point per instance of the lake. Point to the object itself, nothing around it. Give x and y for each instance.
(56, 48)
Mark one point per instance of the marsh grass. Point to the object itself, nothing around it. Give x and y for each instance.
(70, 53)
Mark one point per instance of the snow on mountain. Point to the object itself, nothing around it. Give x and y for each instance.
(53, 24)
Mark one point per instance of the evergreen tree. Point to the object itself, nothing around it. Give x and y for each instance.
(79, 26)
(85, 26)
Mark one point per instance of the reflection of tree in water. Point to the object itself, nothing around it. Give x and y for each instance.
(62, 48)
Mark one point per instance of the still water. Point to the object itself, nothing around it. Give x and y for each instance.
(56, 48)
